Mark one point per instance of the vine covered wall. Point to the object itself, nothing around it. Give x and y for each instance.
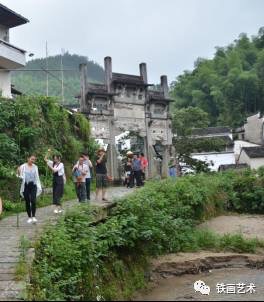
(32, 125)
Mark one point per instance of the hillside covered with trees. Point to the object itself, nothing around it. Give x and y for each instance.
(228, 87)
(34, 82)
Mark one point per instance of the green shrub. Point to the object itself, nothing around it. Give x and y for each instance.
(77, 260)
(32, 125)
(8, 205)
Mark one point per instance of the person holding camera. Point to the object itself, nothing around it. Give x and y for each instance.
(80, 171)
(59, 179)
(101, 174)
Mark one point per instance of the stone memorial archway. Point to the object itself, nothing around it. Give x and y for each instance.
(124, 103)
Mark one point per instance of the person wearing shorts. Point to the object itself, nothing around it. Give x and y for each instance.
(101, 174)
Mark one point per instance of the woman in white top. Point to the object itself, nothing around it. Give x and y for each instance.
(30, 186)
(80, 171)
(88, 176)
(57, 167)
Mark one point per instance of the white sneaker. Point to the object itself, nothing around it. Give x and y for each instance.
(56, 211)
(34, 220)
(29, 220)
(60, 211)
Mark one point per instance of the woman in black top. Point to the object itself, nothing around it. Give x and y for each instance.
(59, 178)
(101, 174)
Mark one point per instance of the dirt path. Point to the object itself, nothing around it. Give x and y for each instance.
(250, 226)
(10, 237)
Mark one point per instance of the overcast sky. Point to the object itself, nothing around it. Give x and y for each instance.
(166, 34)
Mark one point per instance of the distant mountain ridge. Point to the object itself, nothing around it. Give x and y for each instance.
(34, 82)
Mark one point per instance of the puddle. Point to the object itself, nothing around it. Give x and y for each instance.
(181, 288)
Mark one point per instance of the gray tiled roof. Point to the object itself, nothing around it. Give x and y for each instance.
(232, 166)
(210, 131)
(10, 18)
(127, 79)
(254, 152)
(97, 89)
(158, 95)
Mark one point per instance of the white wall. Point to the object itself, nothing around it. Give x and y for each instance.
(223, 158)
(254, 163)
(254, 129)
(10, 57)
(5, 84)
(257, 163)
(238, 145)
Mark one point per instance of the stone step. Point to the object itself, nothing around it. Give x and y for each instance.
(10, 270)
(5, 266)
(10, 239)
(9, 253)
(9, 260)
(11, 286)
(7, 277)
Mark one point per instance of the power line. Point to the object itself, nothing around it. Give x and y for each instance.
(43, 69)
(58, 79)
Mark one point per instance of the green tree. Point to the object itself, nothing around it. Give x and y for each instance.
(34, 82)
(184, 120)
(228, 87)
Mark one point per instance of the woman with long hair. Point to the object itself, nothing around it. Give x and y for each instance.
(30, 186)
(57, 168)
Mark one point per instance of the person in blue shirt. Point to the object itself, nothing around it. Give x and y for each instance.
(136, 167)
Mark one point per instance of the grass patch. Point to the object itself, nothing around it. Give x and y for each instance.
(208, 240)
(77, 260)
(22, 267)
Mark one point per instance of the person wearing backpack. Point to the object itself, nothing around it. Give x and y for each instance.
(80, 171)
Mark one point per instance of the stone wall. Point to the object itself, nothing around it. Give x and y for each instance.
(254, 129)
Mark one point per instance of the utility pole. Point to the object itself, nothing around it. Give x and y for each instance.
(62, 78)
(47, 67)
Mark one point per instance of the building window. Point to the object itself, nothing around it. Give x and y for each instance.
(140, 97)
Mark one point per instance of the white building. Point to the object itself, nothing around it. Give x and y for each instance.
(216, 159)
(11, 57)
(252, 156)
(239, 145)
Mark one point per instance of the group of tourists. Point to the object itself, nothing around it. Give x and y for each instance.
(82, 176)
(135, 170)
